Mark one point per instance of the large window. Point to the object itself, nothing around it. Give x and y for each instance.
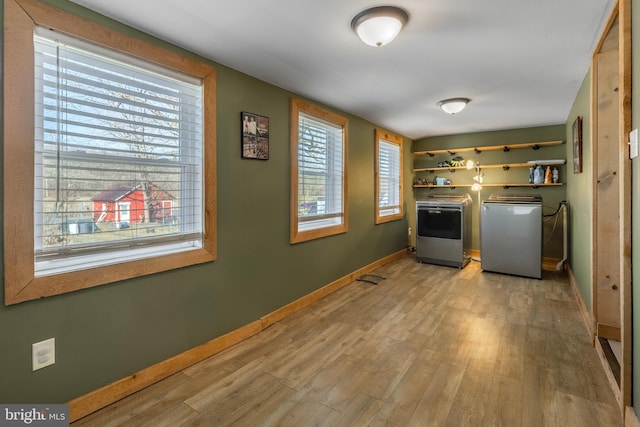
(319, 172)
(389, 200)
(111, 175)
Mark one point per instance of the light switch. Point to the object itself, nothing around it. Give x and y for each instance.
(633, 144)
(43, 354)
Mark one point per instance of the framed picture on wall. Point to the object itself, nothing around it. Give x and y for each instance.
(577, 145)
(255, 136)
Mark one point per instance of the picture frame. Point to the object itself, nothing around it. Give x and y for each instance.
(577, 145)
(254, 134)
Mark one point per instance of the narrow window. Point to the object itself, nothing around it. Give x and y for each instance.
(389, 200)
(319, 172)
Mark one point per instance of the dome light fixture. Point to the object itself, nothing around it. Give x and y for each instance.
(453, 105)
(379, 25)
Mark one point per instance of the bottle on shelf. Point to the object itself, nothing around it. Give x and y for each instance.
(555, 175)
(538, 175)
(547, 175)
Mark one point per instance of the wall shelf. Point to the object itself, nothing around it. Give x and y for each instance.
(519, 178)
(503, 185)
(478, 150)
(505, 166)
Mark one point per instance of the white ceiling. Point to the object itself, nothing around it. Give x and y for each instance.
(520, 61)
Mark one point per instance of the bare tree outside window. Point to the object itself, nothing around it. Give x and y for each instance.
(118, 156)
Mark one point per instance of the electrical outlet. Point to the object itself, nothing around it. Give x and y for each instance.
(43, 354)
(409, 231)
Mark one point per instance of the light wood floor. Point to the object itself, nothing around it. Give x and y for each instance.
(428, 346)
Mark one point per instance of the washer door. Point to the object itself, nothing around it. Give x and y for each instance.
(444, 223)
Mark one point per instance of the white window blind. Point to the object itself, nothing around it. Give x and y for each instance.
(118, 157)
(320, 173)
(388, 178)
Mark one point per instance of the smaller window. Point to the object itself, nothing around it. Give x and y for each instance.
(318, 172)
(389, 200)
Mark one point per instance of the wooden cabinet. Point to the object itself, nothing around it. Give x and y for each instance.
(423, 175)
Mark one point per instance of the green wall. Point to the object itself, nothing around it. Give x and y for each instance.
(109, 332)
(579, 195)
(552, 196)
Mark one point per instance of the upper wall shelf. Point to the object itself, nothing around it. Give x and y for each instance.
(508, 147)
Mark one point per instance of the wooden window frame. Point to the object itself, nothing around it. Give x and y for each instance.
(20, 19)
(299, 106)
(394, 139)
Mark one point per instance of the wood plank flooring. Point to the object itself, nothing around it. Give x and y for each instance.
(428, 346)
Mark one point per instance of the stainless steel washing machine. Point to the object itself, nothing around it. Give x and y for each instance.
(511, 235)
(444, 230)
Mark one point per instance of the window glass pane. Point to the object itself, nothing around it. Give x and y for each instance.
(388, 183)
(320, 173)
(389, 178)
(117, 141)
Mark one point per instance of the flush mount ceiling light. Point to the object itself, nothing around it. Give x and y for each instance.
(379, 25)
(453, 105)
